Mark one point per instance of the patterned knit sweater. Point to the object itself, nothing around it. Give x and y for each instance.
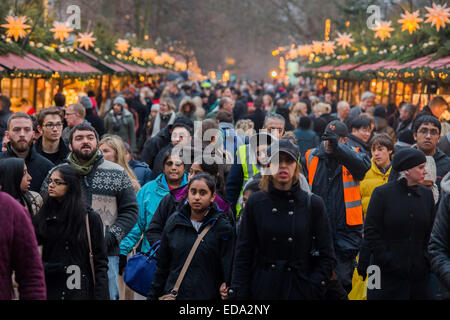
(109, 191)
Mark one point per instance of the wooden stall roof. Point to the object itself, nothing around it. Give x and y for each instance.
(12, 61)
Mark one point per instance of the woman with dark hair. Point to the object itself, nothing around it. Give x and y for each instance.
(209, 271)
(280, 230)
(168, 205)
(61, 228)
(15, 180)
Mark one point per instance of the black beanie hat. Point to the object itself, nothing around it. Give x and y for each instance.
(408, 158)
(407, 136)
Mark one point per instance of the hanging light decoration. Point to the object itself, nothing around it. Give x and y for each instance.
(317, 47)
(383, 30)
(149, 54)
(135, 52)
(328, 47)
(16, 27)
(86, 40)
(60, 31)
(410, 21)
(438, 15)
(344, 40)
(122, 45)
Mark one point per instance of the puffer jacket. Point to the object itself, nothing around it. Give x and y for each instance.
(211, 264)
(374, 178)
(329, 186)
(439, 247)
(148, 198)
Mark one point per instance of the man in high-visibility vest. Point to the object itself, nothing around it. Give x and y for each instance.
(249, 164)
(334, 170)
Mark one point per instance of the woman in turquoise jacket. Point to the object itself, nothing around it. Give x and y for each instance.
(149, 197)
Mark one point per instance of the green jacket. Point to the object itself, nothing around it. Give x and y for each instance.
(123, 127)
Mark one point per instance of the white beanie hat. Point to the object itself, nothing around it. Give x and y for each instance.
(430, 167)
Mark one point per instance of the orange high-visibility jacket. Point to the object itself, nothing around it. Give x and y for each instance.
(352, 196)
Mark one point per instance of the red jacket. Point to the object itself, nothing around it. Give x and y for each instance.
(19, 253)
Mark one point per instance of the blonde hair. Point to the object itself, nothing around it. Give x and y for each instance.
(297, 110)
(116, 143)
(243, 126)
(170, 103)
(321, 108)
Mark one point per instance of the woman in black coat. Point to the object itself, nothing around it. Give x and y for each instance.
(61, 229)
(284, 248)
(207, 277)
(397, 230)
(177, 197)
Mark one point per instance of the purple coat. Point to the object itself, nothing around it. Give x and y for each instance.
(19, 253)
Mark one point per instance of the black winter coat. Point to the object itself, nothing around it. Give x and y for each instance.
(439, 247)
(397, 230)
(57, 157)
(169, 204)
(96, 122)
(61, 258)
(38, 166)
(273, 258)
(153, 145)
(329, 186)
(210, 266)
(257, 117)
(358, 143)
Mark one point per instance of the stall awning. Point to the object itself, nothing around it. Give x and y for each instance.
(347, 67)
(15, 62)
(130, 67)
(110, 66)
(325, 68)
(52, 64)
(81, 67)
(439, 63)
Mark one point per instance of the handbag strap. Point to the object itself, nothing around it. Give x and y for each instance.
(91, 255)
(189, 259)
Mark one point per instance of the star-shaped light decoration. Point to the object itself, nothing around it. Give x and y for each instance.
(328, 47)
(122, 45)
(16, 27)
(86, 40)
(438, 15)
(317, 47)
(410, 21)
(149, 54)
(344, 40)
(136, 52)
(383, 30)
(61, 31)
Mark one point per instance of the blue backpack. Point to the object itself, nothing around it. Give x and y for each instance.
(140, 269)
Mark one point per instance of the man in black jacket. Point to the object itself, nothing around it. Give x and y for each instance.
(91, 117)
(50, 144)
(361, 130)
(439, 247)
(20, 134)
(334, 170)
(258, 115)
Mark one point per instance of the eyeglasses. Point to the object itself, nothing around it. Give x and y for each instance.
(70, 114)
(171, 163)
(53, 125)
(432, 132)
(57, 182)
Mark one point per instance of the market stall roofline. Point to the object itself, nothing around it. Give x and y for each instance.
(114, 67)
(131, 68)
(12, 62)
(82, 67)
(52, 64)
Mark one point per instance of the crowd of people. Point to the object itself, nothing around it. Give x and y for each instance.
(289, 190)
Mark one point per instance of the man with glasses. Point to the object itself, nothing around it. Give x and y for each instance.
(75, 115)
(361, 131)
(50, 144)
(20, 135)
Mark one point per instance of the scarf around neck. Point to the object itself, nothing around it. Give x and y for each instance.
(83, 169)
